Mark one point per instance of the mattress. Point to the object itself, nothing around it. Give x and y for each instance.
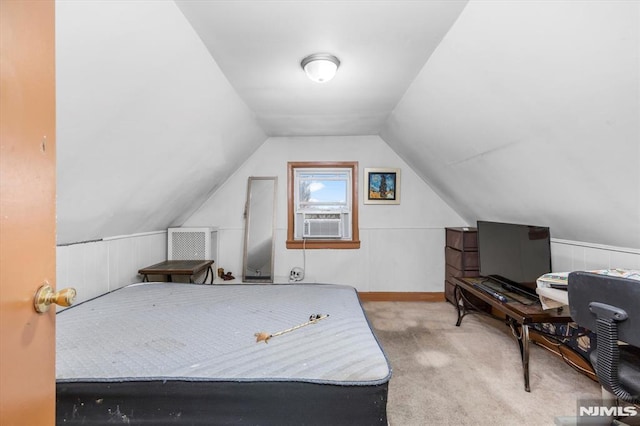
(173, 353)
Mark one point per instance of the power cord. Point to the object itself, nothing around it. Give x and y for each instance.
(297, 273)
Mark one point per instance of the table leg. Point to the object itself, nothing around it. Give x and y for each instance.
(464, 305)
(523, 344)
(206, 275)
(457, 296)
(525, 356)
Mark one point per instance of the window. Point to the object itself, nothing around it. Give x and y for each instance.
(323, 205)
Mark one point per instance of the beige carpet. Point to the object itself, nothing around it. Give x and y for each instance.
(468, 375)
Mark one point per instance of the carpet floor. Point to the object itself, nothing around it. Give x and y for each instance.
(468, 375)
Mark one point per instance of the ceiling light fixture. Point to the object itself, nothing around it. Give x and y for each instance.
(320, 67)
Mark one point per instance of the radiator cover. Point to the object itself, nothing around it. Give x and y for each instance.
(191, 243)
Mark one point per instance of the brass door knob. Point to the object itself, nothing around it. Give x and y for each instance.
(45, 296)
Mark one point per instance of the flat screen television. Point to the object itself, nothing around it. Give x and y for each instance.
(514, 254)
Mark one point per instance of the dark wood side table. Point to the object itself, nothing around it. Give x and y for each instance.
(169, 268)
(519, 316)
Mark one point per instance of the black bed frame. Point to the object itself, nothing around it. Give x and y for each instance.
(220, 403)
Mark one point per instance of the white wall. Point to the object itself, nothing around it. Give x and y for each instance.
(402, 245)
(99, 267)
(567, 256)
(95, 268)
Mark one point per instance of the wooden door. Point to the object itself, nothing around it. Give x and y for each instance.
(27, 210)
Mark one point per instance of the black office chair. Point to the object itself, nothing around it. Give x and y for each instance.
(610, 307)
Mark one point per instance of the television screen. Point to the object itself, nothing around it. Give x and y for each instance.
(514, 253)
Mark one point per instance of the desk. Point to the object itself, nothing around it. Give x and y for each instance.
(518, 315)
(179, 267)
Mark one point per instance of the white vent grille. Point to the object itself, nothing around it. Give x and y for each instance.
(322, 228)
(190, 244)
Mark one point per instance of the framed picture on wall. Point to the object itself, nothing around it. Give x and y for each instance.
(382, 186)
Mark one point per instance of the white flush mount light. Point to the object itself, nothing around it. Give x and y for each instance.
(320, 67)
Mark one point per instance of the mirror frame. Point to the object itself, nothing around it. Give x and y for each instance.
(247, 229)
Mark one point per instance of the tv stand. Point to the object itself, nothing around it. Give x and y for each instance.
(513, 286)
(519, 314)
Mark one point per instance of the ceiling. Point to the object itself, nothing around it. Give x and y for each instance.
(382, 46)
(488, 102)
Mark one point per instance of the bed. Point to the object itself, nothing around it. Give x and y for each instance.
(174, 353)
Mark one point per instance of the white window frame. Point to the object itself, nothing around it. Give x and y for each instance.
(332, 215)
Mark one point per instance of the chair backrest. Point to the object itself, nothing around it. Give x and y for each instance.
(621, 293)
(610, 306)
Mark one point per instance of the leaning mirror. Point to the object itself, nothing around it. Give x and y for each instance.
(260, 212)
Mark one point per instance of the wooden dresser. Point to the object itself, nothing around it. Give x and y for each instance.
(461, 257)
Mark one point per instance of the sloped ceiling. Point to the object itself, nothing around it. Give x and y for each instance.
(524, 111)
(147, 124)
(528, 112)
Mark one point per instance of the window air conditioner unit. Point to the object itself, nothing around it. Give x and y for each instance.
(322, 226)
(192, 243)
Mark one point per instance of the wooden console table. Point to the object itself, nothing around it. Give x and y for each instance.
(519, 316)
(169, 268)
